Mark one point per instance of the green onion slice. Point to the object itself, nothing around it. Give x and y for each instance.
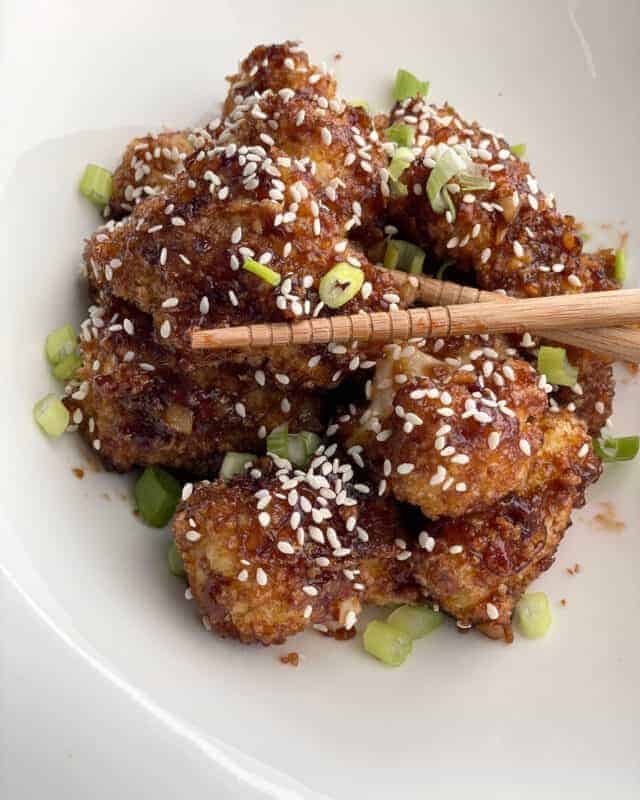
(473, 183)
(51, 415)
(60, 344)
(621, 448)
(175, 562)
(447, 166)
(66, 369)
(403, 135)
(357, 103)
(620, 269)
(407, 85)
(533, 614)
(235, 464)
(398, 189)
(519, 150)
(415, 621)
(295, 447)
(449, 262)
(266, 274)
(387, 643)
(341, 284)
(96, 184)
(553, 363)
(404, 255)
(157, 494)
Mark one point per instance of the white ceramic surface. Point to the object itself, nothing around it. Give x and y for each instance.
(110, 688)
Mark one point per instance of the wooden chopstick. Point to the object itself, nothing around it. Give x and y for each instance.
(620, 344)
(557, 313)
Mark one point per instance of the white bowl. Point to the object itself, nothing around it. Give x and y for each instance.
(112, 687)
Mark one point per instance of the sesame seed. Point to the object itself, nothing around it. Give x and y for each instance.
(236, 235)
(485, 255)
(308, 610)
(461, 487)
(574, 280)
(261, 577)
(286, 548)
(187, 491)
(492, 611)
(192, 536)
(525, 447)
(456, 549)
(310, 590)
(445, 412)
(518, 249)
(405, 469)
(241, 411)
(493, 440)
(350, 620)
(165, 329)
(427, 542)
(264, 519)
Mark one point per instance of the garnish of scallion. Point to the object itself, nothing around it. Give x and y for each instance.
(407, 85)
(415, 621)
(447, 166)
(263, 272)
(174, 561)
(295, 447)
(620, 269)
(157, 494)
(621, 448)
(519, 150)
(403, 135)
(404, 255)
(341, 284)
(387, 643)
(235, 464)
(533, 614)
(96, 184)
(553, 363)
(51, 415)
(60, 348)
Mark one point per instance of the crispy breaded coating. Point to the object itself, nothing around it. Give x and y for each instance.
(452, 437)
(149, 164)
(267, 557)
(135, 407)
(476, 567)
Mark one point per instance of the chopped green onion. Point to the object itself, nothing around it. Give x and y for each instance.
(311, 441)
(175, 562)
(533, 614)
(387, 643)
(234, 464)
(265, 273)
(96, 184)
(553, 363)
(449, 262)
(66, 369)
(402, 158)
(404, 255)
(51, 415)
(448, 165)
(295, 447)
(357, 103)
(157, 494)
(450, 207)
(584, 236)
(403, 135)
(407, 85)
(398, 189)
(621, 448)
(519, 150)
(60, 344)
(415, 621)
(341, 284)
(473, 183)
(620, 270)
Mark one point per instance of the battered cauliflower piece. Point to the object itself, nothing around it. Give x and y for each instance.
(476, 567)
(149, 164)
(135, 407)
(452, 439)
(178, 256)
(276, 550)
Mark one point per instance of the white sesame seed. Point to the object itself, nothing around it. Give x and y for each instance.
(485, 255)
(574, 280)
(165, 329)
(405, 469)
(492, 611)
(261, 577)
(456, 549)
(445, 412)
(308, 610)
(236, 235)
(493, 440)
(264, 519)
(310, 590)
(427, 542)
(192, 536)
(350, 620)
(525, 447)
(187, 491)
(518, 249)
(241, 411)
(286, 548)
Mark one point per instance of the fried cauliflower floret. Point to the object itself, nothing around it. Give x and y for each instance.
(452, 438)
(135, 407)
(476, 567)
(149, 165)
(178, 257)
(268, 556)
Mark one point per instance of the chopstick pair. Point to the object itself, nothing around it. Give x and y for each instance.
(571, 319)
